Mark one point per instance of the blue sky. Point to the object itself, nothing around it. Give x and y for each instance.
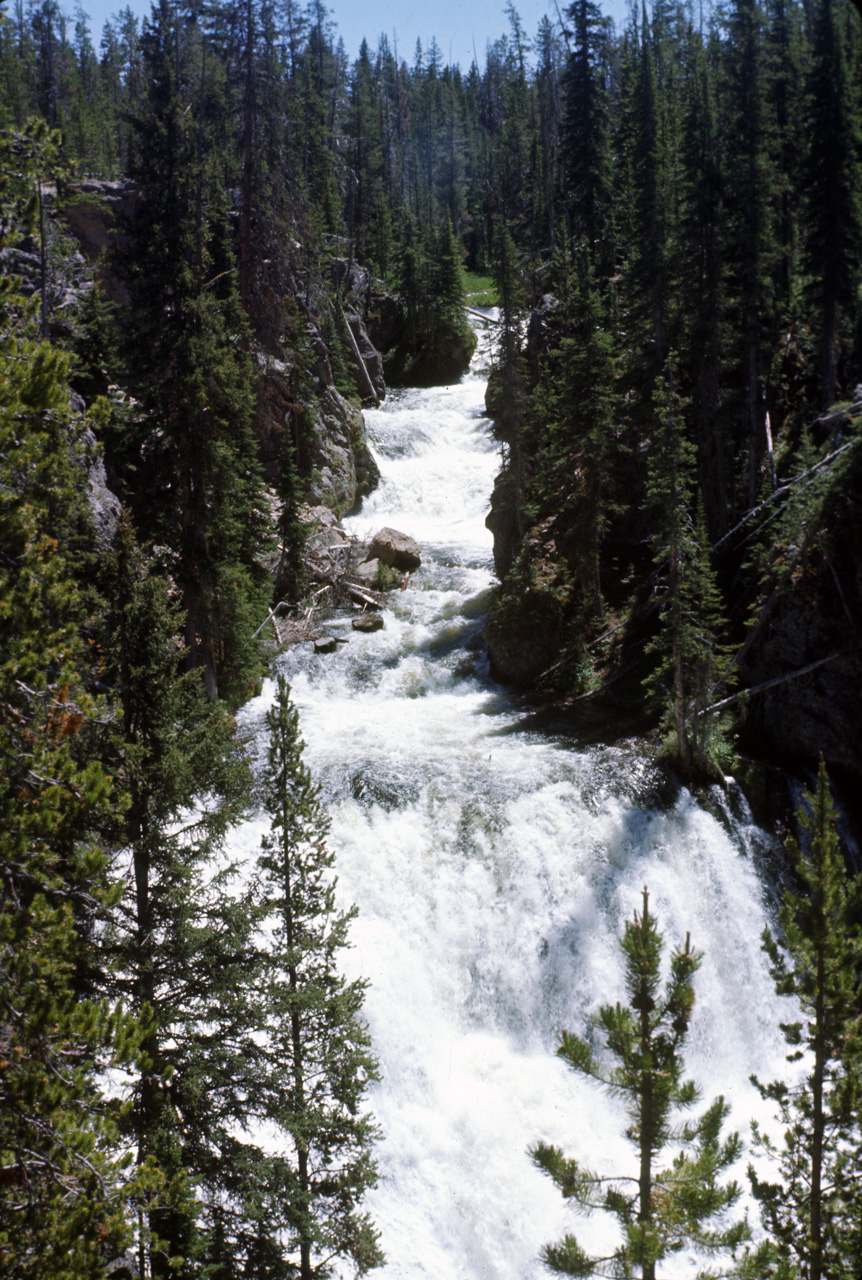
(459, 26)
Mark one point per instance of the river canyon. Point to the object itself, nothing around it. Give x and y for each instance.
(494, 857)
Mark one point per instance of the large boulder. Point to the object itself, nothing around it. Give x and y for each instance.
(325, 644)
(368, 622)
(395, 549)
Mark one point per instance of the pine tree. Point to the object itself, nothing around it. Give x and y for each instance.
(576, 472)
(180, 947)
(317, 1037)
(748, 226)
(812, 1212)
(510, 388)
(63, 1190)
(585, 141)
(677, 1204)
(193, 378)
(833, 187)
(691, 660)
(701, 284)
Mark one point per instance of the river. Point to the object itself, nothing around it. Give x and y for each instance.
(494, 860)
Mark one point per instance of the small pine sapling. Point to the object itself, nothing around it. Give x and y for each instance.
(666, 1205)
(812, 1212)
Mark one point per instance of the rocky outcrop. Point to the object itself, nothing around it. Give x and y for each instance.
(372, 360)
(104, 505)
(328, 549)
(344, 466)
(439, 359)
(341, 469)
(438, 355)
(98, 213)
(384, 319)
(396, 550)
(67, 280)
(521, 649)
(502, 521)
(818, 712)
(815, 614)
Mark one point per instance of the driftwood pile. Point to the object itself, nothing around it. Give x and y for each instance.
(341, 571)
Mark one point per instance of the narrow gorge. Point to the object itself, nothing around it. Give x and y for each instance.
(494, 858)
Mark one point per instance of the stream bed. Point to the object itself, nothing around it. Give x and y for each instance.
(494, 862)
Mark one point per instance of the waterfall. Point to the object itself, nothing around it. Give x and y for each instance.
(494, 862)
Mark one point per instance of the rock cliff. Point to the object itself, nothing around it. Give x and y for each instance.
(339, 467)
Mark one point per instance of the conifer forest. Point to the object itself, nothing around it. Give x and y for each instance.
(233, 258)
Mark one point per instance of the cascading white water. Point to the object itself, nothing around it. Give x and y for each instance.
(494, 865)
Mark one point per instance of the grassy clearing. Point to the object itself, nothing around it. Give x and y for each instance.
(480, 290)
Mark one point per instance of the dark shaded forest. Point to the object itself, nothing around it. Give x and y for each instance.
(220, 239)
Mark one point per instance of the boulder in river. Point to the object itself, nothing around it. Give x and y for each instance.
(368, 622)
(325, 644)
(395, 549)
(366, 573)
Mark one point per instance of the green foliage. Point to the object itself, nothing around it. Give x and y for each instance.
(292, 531)
(337, 359)
(663, 1206)
(813, 1210)
(180, 947)
(833, 190)
(437, 340)
(313, 1018)
(480, 290)
(201, 478)
(691, 661)
(579, 443)
(63, 1190)
(585, 138)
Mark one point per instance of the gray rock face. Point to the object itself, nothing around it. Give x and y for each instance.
(821, 711)
(395, 549)
(97, 213)
(438, 362)
(105, 506)
(25, 265)
(502, 521)
(366, 572)
(371, 357)
(522, 651)
(347, 471)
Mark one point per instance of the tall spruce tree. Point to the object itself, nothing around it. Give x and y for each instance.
(583, 440)
(192, 376)
(748, 229)
(63, 1191)
(691, 660)
(833, 187)
(314, 1023)
(812, 1212)
(180, 945)
(701, 282)
(584, 139)
(663, 1206)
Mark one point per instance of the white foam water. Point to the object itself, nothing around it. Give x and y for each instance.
(494, 866)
